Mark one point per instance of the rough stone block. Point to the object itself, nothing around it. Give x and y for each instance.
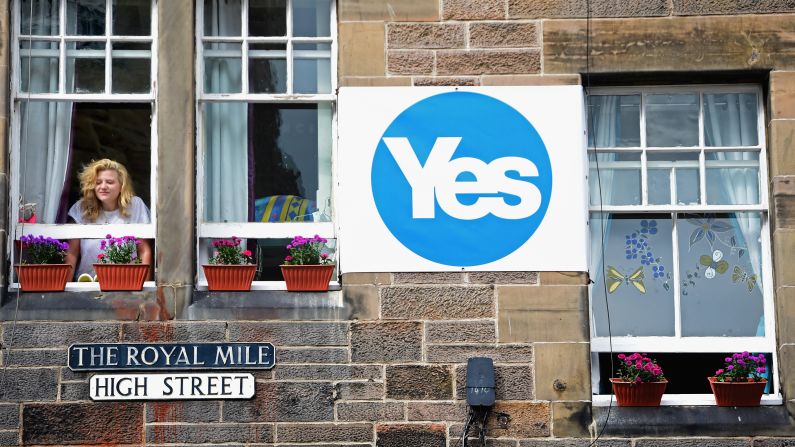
(530, 80)
(445, 81)
(311, 355)
(425, 35)
(415, 435)
(391, 10)
(437, 303)
(502, 277)
(527, 420)
(514, 382)
(598, 8)
(774, 442)
(9, 437)
(284, 402)
(23, 384)
(71, 391)
(429, 278)
(460, 353)
(9, 416)
(662, 44)
(781, 149)
(565, 364)
(473, 10)
(564, 278)
(693, 442)
(55, 335)
(786, 363)
(328, 372)
(782, 94)
(361, 49)
(690, 8)
(542, 313)
(68, 374)
(386, 342)
(290, 334)
(483, 331)
(575, 442)
(477, 62)
(783, 189)
(571, 419)
(37, 357)
(370, 411)
(325, 433)
(359, 390)
(419, 382)
(184, 411)
(89, 423)
(364, 301)
(783, 247)
(371, 278)
(149, 332)
(503, 35)
(785, 314)
(373, 81)
(209, 433)
(410, 62)
(437, 411)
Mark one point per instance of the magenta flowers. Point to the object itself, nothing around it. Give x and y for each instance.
(638, 368)
(741, 366)
(307, 251)
(229, 252)
(119, 250)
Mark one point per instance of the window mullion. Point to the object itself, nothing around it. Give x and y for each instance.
(702, 164)
(289, 17)
(677, 280)
(108, 46)
(244, 49)
(62, 46)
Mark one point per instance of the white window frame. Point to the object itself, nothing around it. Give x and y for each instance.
(678, 343)
(78, 231)
(262, 230)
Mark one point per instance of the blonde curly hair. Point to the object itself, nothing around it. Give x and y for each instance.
(88, 178)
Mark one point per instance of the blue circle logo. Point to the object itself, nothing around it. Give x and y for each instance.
(461, 179)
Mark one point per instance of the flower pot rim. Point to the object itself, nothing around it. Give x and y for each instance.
(714, 379)
(35, 265)
(617, 380)
(229, 265)
(121, 263)
(307, 265)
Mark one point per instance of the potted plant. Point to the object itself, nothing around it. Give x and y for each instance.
(741, 382)
(118, 267)
(640, 381)
(307, 267)
(43, 269)
(230, 268)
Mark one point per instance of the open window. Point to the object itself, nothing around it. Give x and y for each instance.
(266, 98)
(82, 90)
(680, 249)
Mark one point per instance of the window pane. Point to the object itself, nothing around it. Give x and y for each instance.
(720, 266)
(222, 68)
(267, 18)
(614, 121)
(617, 175)
(636, 275)
(267, 162)
(311, 18)
(85, 17)
(132, 17)
(688, 188)
(85, 67)
(659, 186)
(683, 167)
(267, 68)
(312, 68)
(62, 137)
(732, 178)
(222, 18)
(131, 67)
(730, 119)
(44, 18)
(39, 67)
(672, 120)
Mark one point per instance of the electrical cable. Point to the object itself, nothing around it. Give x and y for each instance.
(601, 209)
(463, 440)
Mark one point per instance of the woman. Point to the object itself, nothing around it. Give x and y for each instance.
(108, 198)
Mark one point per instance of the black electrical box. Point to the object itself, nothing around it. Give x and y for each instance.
(481, 389)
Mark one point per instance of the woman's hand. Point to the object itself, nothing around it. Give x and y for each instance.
(73, 255)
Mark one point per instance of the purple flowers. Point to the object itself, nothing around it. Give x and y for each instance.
(741, 367)
(119, 250)
(43, 250)
(307, 251)
(639, 368)
(229, 252)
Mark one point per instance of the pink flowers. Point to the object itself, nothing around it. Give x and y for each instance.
(741, 366)
(307, 251)
(229, 252)
(639, 368)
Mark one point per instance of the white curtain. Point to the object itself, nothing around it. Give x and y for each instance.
(732, 121)
(46, 126)
(225, 126)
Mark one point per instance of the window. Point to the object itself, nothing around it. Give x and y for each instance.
(81, 90)
(678, 189)
(266, 94)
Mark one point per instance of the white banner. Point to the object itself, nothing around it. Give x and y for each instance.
(171, 386)
(450, 179)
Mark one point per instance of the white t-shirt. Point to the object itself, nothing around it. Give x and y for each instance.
(89, 248)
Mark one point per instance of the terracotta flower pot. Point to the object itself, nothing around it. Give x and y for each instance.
(43, 277)
(235, 278)
(116, 277)
(644, 394)
(307, 278)
(737, 394)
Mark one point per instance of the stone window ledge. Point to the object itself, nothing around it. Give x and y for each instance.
(267, 305)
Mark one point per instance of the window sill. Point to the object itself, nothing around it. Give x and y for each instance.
(83, 287)
(670, 400)
(267, 302)
(268, 285)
